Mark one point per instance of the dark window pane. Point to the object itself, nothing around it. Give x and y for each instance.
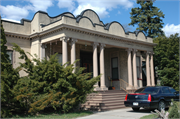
(172, 90)
(148, 90)
(10, 53)
(115, 73)
(114, 62)
(165, 90)
(139, 90)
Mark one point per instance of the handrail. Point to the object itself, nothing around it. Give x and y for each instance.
(124, 85)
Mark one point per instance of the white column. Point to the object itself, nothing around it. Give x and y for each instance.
(102, 70)
(147, 69)
(129, 66)
(140, 75)
(42, 50)
(134, 68)
(152, 70)
(64, 50)
(73, 52)
(95, 64)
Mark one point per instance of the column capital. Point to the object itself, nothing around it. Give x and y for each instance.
(129, 50)
(135, 50)
(95, 44)
(73, 40)
(147, 52)
(66, 39)
(102, 45)
(151, 53)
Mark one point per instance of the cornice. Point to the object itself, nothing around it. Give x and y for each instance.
(93, 33)
(16, 35)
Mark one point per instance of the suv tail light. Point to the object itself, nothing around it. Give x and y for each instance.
(126, 97)
(149, 98)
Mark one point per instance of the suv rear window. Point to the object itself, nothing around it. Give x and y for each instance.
(147, 90)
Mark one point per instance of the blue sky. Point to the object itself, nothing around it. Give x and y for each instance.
(108, 10)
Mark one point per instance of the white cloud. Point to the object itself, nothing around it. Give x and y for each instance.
(13, 13)
(40, 5)
(16, 13)
(119, 12)
(102, 7)
(171, 29)
(101, 11)
(11, 20)
(66, 4)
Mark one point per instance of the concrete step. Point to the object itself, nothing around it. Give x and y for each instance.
(110, 98)
(112, 107)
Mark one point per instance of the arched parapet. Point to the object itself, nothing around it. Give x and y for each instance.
(92, 15)
(141, 36)
(69, 14)
(85, 22)
(149, 40)
(115, 28)
(131, 35)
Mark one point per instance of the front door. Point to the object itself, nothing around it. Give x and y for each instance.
(86, 60)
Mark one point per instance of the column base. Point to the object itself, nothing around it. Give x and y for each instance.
(128, 88)
(104, 88)
(136, 86)
(97, 89)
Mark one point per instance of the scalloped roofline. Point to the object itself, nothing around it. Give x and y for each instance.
(78, 18)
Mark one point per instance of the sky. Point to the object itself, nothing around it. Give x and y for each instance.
(108, 10)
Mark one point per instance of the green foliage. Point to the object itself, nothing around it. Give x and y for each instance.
(166, 60)
(148, 18)
(9, 78)
(50, 84)
(173, 110)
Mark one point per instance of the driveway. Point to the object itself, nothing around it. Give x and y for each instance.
(125, 113)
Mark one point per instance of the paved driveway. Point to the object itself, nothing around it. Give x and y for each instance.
(125, 113)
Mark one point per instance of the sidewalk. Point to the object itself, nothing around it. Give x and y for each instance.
(125, 113)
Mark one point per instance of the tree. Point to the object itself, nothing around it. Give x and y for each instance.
(166, 60)
(9, 78)
(50, 84)
(148, 18)
(126, 27)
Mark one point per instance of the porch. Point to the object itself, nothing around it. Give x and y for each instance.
(114, 63)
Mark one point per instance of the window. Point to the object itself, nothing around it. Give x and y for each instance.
(59, 56)
(148, 90)
(172, 90)
(165, 90)
(114, 65)
(138, 66)
(10, 53)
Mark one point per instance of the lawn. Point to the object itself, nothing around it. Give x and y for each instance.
(151, 116)
(56, 115)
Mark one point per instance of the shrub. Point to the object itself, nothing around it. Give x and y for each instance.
(173, 110)
(50, 84)
(9, 78)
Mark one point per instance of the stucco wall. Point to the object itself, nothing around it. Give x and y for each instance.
(24, 44)
(18, 28)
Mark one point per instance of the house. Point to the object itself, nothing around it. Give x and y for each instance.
(102, 48)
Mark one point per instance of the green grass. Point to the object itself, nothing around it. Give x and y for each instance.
(151, 116)
(154, 116)
(53, 115)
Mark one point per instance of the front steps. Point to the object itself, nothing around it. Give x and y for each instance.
(105, 100)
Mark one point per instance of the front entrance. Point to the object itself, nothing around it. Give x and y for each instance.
(86, 60)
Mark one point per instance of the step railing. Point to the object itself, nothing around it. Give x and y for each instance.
(124, 85)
